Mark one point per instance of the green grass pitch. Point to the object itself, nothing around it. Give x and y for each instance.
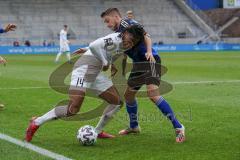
(209, 111)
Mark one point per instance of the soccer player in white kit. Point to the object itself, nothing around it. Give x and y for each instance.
(64, 44)
(87, 74)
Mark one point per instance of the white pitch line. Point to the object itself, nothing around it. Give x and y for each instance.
(206, 82)
(175, 83)
(26, 87)
(34, 148)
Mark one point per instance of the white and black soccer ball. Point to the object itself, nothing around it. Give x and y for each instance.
(87, 135)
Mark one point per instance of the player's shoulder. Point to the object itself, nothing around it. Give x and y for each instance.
(62, 31)
(112, 36)
(127, 22)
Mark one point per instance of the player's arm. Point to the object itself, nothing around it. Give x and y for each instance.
(124, 64)
(9, 27)
(148, 43)
(97, 47)
(80, 51)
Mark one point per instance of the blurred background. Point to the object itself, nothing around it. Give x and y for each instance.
(167, 21)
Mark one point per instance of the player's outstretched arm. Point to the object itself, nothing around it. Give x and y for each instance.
(10, 27)
(79, 51)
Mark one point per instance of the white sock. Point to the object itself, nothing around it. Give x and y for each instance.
(58, 56)
(46, 117)
(106, 117)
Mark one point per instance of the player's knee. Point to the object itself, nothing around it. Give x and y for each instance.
(127, 97)
(118, 103)
(72, 110)
(154, 99)
(74, 107)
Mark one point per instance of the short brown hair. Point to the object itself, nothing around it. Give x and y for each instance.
(109, 11)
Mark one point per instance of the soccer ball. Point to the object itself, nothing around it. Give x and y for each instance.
(87, 135)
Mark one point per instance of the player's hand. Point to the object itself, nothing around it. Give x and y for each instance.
(105, 68)
(113, 70)
(79, 51)
(10, 27)
(3, 61)
(149, 57)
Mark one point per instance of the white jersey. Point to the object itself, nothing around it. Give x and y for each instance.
(106, 47)
(63, 38)
(64, 47)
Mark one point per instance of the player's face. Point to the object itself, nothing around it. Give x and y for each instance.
(130, 16)
(128, 41)
(111, 22)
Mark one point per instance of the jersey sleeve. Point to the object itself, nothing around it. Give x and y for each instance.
(98, 49)
(1, 30)
(106, 48)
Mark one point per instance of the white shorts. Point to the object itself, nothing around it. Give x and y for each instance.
(87, 75)
(64, 48)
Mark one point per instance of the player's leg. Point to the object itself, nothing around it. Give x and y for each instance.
(59, 55)
(109, 93)
(135, 82)
(75, 102)
(112, 97)
(153, 83)
(132, 110)
(67, 51)
(76, 96)
(68, 57)
(162, 104)
(165, 108)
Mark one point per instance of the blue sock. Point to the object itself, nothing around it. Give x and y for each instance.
(167, 111)
(132, 112)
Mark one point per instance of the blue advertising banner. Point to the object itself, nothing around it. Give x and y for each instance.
(196, 47)
(34, 49)
(159, 48)
(204, 4)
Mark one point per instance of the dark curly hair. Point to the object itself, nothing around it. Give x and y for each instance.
(137, 32)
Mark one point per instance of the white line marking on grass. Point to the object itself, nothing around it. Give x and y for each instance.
(175, 83)
(17, 88)
(34, 148)
(206, 82)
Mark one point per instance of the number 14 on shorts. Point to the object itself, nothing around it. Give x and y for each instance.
(80, 82)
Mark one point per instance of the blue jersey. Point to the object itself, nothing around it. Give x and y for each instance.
(137, 53)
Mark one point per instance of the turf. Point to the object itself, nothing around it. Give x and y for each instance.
(209, 111)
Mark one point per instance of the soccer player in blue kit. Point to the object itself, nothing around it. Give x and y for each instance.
(9, 27)
(149, 58)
